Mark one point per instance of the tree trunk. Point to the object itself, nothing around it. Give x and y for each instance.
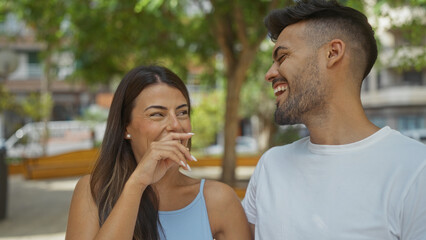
(235, 79)
(266, 132)
(267, 125)
(239, 50)
(45, 91)
(231, 131)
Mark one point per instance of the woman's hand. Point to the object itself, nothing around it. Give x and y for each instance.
(161, 155)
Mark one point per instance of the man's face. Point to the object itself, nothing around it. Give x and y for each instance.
(296, 78)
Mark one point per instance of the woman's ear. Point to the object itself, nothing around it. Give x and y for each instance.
(127, 136)
(335, 51)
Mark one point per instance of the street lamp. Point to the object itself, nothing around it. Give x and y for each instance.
(8, 64)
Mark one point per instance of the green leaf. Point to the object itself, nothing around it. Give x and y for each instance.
(140, 5)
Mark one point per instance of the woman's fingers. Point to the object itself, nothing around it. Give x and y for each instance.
(182, 140)
(178, 136)
(170, 147)
(174, 151)
(162, 154)
(183, 149)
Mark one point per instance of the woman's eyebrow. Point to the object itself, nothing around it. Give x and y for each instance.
(164, 108)
(155, 106)
(181, 106)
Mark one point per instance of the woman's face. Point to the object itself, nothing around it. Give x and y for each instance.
(159, 109)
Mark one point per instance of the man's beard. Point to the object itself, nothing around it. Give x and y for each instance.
(307, 93)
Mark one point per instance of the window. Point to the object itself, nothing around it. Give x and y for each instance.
(33, 58)
(379, 80)
(410, 122)
(412, 78)
(378, 121)
(365, 84)
(34, 65)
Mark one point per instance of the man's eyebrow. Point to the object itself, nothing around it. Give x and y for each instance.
(278, 49)
(155, 106)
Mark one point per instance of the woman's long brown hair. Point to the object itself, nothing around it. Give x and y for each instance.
(116, 161)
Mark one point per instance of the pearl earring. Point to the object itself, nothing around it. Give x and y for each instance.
(128, 135)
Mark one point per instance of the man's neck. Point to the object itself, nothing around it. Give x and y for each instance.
(340, 126)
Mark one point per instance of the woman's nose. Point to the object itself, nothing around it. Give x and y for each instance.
(173, 123)
(272, 73)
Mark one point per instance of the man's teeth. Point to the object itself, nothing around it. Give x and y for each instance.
(280, 88)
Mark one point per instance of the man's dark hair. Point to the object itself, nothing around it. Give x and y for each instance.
(327, 20)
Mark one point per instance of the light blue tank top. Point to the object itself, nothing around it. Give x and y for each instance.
(189, 223)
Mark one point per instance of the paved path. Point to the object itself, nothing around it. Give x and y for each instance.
(37, 209)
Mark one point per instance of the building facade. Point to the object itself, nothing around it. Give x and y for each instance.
(394, 93)
(28, 76)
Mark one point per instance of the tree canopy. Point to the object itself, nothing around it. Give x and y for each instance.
(109, 37)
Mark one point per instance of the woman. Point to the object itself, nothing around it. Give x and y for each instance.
(136, 190)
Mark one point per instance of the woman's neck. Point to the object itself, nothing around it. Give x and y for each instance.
(171, 179)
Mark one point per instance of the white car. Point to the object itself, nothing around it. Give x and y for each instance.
(64, 136)
(244, 145)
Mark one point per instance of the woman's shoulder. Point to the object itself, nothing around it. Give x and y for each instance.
(82, 195)
(218, 194)
(82, 188)
(84, 181)
(226, 215)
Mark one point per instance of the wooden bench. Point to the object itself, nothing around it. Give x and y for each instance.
(64, 165)
(216, 161)
(81, 162)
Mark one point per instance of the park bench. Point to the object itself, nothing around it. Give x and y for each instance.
(63, 165)
(216, 161)
(81, 162)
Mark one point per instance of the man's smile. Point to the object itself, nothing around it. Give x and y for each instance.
(280, 89)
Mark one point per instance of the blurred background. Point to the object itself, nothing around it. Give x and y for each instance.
(60, 62)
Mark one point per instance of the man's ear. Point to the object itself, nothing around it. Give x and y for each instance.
(335, 51)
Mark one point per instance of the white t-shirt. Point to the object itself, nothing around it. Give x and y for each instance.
(370, 190)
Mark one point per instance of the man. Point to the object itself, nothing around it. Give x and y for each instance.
(348, 179)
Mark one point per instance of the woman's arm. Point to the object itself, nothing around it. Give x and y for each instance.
(226, 215)
(83, 217)
(83, 220)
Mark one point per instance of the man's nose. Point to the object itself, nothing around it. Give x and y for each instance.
(272, 73)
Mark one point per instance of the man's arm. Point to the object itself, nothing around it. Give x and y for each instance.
(413, 219)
